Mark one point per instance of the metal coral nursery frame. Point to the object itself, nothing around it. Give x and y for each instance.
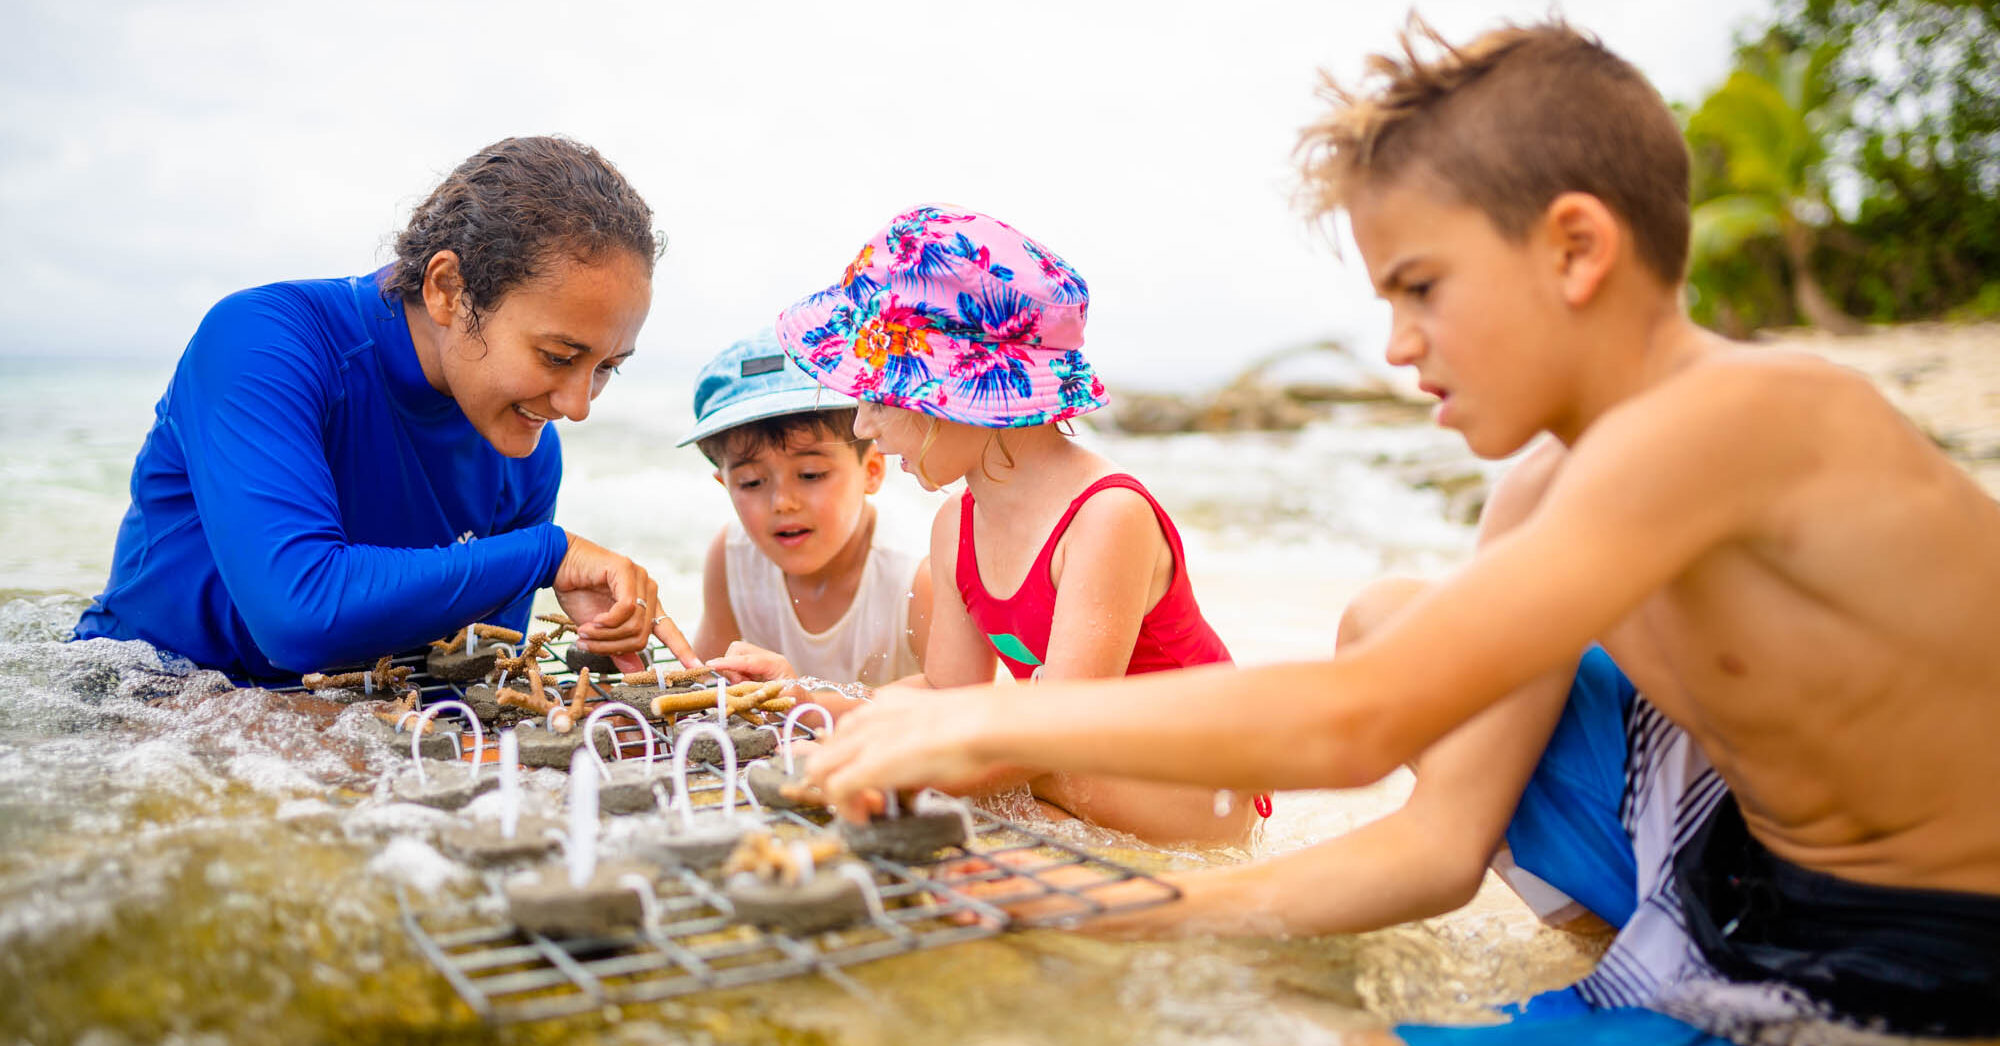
(691, 944)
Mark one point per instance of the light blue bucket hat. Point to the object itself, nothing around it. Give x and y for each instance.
(752, 380)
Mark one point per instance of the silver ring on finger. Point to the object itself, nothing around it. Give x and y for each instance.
(641, 601)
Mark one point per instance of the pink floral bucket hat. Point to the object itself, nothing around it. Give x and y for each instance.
(956, 315)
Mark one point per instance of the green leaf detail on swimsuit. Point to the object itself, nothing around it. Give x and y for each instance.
(1011, 647)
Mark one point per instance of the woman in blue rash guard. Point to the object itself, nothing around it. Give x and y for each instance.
(348, 467)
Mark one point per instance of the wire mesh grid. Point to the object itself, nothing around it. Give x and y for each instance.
(691, 943)
(1005, 875)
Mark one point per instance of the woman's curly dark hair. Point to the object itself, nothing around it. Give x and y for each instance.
(512, 207)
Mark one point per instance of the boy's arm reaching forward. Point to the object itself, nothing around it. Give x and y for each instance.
(1655, 484)
(1427, 857)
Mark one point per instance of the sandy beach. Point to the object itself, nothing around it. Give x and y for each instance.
(1944, 377)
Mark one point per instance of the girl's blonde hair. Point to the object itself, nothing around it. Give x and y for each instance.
(930, 437)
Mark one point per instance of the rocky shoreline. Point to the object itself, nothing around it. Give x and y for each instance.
(1944, 377)
(1282, 392)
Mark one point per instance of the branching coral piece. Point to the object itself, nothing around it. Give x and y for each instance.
(393, 715)
(563, 719)
(674, 677)
(528, 663)
(536, 700)
(490, 633)
(742, 696)
(385, 676)
(764, 856)
(564, 625)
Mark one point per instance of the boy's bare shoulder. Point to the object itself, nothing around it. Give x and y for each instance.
(1731, 436)
(1745, 401)
(1782, 374)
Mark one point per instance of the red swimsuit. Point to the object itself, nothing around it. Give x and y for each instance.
(1172, 635)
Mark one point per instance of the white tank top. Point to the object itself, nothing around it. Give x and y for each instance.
(870, 643)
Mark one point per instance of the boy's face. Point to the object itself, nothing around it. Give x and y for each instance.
(1480, 317)
(800, 503)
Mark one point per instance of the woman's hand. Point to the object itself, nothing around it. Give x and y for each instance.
(616, 605)
(906, 739)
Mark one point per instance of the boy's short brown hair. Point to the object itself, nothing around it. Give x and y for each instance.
(735, 444)
(1509, 122)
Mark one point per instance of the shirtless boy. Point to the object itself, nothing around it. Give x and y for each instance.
(1801, 586)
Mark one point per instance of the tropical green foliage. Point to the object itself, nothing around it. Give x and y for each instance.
(1850, 167)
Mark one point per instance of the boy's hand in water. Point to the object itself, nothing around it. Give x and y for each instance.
(907, 740)
(616, 605)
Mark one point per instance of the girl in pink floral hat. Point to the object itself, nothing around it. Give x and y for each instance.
(962, 339)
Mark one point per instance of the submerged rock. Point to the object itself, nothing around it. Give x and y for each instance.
(824, 902)
(544, 748)
(445, 787)
(484, 701)
(630, 788)
(750, 742)
(1280, 393)
(441, 743)
(454, 665)
(599, 664)
(608, 905)
(481, 844)
(706, 844)
(913, 837)
(769, 782)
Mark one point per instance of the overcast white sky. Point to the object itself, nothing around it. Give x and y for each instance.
(156, 157)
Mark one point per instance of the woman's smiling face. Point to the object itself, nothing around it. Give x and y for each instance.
(543, 352)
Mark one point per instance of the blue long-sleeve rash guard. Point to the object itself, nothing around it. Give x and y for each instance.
(305, 499)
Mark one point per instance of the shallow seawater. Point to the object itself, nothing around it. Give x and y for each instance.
(183, 862)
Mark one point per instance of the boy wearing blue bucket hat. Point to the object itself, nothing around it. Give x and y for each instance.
(799, 573)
